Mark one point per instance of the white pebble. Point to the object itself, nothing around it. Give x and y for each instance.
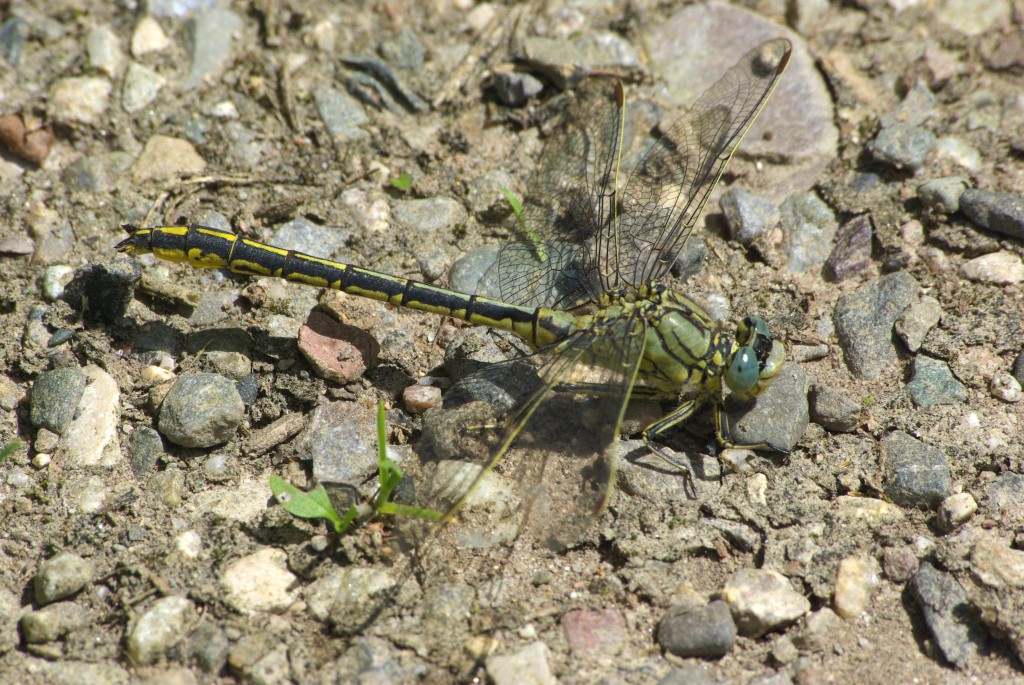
(149, 37)
(956, 509)
(857, 578)
(1001, 268)
(1005, 387)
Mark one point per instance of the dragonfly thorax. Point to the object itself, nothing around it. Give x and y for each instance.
(686, 350)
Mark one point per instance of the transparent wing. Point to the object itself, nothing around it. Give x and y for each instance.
(568, 205)
(579, 238)
(668, 189)
(546, 467)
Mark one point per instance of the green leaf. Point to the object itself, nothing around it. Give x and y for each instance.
(314, 504)
(402, 182)
(532, 236)
(10, 448)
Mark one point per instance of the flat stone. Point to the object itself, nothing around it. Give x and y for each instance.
(864, 322)
(777, 417)
(528, 665)
(933, 383)
(103, 47)
(210, 33)
(851, 255)
(947, 612)
(831, 410)
(594, 634)
(995, 211)
(260, 582)
(149, 37)
(943, 194)
(707, 631)
(916, 474)
(337, 352)
(164, 158)
(903, 146)
(141, 86)
(1000, 268)
(748, 215)
(917, 320)
(79, 100)
(763, 600)
(799, 115)
(92, 438)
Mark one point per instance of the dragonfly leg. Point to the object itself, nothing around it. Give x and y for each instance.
(722, 421)
(678, 415)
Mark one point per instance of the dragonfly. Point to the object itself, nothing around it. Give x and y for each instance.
(585, 284)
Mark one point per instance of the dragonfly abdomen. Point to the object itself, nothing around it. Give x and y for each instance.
(209, 248)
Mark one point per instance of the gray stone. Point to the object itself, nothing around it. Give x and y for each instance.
(303, 235)
(515, 88)
(778, 417)
(903, 146)
(431, 215)
(864, 322)
(146, 449)
(209, 646)
(707, 631)
(851, 255)
(159, 629)
(916, 474)
(933, 383)
(748, 215)
(468, 272)
(209, 34)
(60, 576)
(341, 113)
(55, 394)
(53, 622)
(201, 410)
(341, 439)
(12, 40)
(950, 618)
(349, 598)
(799, 114)
(943, 194)
(403, 50)
(917, 320)
(141, 86)
(831, 410)
(566, 61)
(995, 211)
(809, 229)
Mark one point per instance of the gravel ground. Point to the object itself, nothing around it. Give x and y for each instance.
(874, 217)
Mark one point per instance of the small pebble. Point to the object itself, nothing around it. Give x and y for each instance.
(899, 563)
(141, 86)
(1005, 387)
(916, 474)
(943, 194)
(857, 579)
(60, 576)
(54, 279)
(337, 352)
(201, 410)
(762, 600)
(851, 254)
(149, 37)
(79, 100)
(903, 146)
(819, 632)
(419, 398)
(159, 629)
(707, 631)
(917, 320)
(1001, 268)
(594, 634)
(529, 665)
(260, 582)
(104, 50)
(165, 158)
(52, 622)
(956, 509)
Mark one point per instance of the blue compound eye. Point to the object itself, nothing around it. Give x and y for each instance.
(742, 374)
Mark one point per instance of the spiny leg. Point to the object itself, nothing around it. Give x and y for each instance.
(675, 417)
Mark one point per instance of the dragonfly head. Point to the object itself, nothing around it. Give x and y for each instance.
(757, 357)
